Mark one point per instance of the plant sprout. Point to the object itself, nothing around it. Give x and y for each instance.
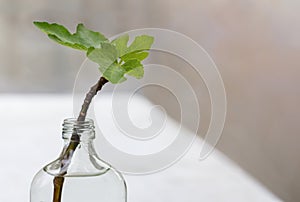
(115, 60)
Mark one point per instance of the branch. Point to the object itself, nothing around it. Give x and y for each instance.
(68, 154)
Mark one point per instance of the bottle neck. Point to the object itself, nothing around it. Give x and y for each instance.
(82, 159)
(80, 131)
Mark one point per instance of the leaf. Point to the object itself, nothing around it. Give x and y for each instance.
(140, 43)
(64, 43)
(82, 39)
(107, 56)
(114, 73)
(88, 38)
(135, 55)
(104, 56)
(115, 59)
(134, 68)
(121, 44)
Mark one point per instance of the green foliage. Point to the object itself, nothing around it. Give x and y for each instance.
(115, 59)
(82, 39)
(104, 56)
(134, 68)
(138, 55)
(117, 56)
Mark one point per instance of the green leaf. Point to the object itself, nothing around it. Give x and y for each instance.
(115, 59)
(104, 56)
(88, 38)
(82, 39)
(114, 73)
(134, 68)
(135, 55)
(140, 43)
(121, 44)
(64, 43)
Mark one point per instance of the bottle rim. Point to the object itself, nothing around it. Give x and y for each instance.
(84, 129)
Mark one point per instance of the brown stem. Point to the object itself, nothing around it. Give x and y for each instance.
(68, 154)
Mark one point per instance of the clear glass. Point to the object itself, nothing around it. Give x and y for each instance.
(87, 178)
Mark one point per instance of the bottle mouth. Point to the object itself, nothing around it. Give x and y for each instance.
(84, 129)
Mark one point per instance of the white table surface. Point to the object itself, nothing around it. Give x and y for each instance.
(30, 137)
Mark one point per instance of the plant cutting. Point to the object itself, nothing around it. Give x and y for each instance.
(69, 178)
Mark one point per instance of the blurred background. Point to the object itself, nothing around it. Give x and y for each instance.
(254, 43)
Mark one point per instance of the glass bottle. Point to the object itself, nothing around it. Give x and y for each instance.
(86, 178)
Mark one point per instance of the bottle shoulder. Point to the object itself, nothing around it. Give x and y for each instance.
(84, 167)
